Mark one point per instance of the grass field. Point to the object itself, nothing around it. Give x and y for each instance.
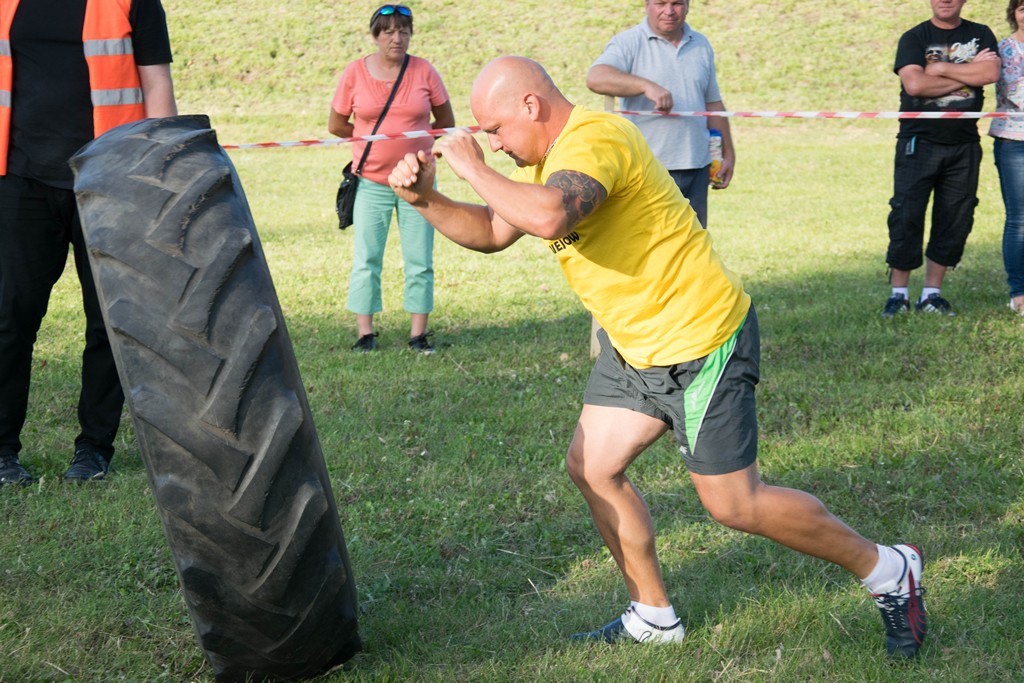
(473, 554)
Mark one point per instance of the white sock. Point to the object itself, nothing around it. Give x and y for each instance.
(901, 291)
(886, 575)
(927, 292)
(659, 616)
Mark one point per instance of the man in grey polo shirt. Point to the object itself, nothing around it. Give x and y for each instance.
(662, 62)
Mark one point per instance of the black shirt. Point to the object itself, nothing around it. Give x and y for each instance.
(51, 108)
(926, 43)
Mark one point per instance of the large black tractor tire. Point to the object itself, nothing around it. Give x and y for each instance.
(219, 409)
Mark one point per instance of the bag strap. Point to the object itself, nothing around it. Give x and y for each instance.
(387, 105)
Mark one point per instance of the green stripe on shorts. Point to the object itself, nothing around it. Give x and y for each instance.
(697, 396)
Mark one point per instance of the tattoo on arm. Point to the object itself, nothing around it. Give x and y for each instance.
(581, 194)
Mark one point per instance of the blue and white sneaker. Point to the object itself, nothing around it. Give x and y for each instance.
(633, 628)
(934, 304)
(903, 612)
(895, 305)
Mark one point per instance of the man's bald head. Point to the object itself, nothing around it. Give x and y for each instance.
(518, 105)
(508, 79)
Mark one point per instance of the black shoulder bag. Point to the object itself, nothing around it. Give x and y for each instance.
(345, 201)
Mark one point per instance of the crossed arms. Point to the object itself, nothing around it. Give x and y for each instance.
(941, 78)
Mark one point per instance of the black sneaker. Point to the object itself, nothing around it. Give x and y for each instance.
(903, 609)
(87, 465)
(421, 344)
(895, 305)
(934, 304)
(646, 632)
(368, 342)
(11, 471)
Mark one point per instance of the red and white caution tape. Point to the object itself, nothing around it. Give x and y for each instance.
(433, 133)
(836, 114)
(437, 132)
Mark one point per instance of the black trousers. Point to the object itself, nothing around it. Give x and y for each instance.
(37, 223)
(922, 169)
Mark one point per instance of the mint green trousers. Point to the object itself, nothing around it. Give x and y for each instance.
(374, 207)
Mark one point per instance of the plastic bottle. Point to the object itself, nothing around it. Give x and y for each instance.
(715, 147)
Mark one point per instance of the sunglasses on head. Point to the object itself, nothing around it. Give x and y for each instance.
(388, 10)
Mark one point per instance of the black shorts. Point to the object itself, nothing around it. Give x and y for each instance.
(709, 403)
(948, 176)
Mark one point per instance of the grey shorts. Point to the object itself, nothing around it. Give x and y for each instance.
(709, 403)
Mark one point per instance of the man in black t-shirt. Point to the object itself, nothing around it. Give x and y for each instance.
(61, 84)
(943, 64)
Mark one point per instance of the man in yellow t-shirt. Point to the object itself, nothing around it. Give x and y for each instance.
(608, 258)
(680, 344)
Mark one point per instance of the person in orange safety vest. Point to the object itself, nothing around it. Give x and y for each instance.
(66, 77)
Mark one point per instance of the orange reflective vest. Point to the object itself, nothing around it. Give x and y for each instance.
(113, 76)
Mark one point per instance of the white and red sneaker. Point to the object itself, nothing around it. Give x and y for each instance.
(903, 608)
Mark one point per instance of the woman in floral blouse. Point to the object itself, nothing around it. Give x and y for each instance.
(1008, 149)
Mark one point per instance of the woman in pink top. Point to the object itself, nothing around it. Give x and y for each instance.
(362, 92)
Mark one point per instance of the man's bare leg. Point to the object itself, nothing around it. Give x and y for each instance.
(795, 519)
(606, 441)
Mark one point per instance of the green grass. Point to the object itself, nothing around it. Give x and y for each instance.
(472, 551)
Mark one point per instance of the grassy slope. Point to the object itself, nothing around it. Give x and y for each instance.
(275, 69)
(473, 553)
